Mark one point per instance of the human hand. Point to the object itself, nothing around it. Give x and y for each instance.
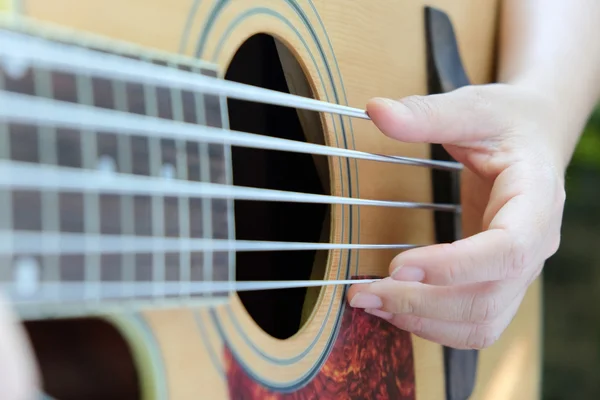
(18, 372)
(464, 294)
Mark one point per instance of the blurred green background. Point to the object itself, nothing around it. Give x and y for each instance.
(572, 282)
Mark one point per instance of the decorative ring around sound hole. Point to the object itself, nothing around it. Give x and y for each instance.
(288, 363)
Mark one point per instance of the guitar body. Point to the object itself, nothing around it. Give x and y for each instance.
(294, 344)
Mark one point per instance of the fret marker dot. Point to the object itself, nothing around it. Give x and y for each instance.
(27, 276)
(15, 67)
(106, 164)
(167, 171)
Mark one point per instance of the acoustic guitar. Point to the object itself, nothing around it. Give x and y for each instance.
(187, 188)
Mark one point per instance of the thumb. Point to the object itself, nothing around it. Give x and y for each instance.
(465, 114)
(19, 376)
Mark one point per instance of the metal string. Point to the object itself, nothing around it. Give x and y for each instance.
(29, 109)
(20, 51)
(26, 242)
(73, 290)
(16, 174)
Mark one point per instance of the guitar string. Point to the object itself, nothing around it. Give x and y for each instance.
(25, 242)
(18, 52)
(46, 55)
(22, 175)
(44, 45)
(74, 290)
(22, 108)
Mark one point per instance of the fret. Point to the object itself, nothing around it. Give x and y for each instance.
(112, 265)
(176, 96)
(205, 176)
(144, 265)
(157, 97)
(50, 207)
(220, 164)
(6, 218)
(180, 270)
(91, 201)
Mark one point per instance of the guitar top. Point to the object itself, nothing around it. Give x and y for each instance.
(188, 187)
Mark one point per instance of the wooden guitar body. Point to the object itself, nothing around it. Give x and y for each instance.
(285, 343)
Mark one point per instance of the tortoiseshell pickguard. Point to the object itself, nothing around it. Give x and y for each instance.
(370, 359)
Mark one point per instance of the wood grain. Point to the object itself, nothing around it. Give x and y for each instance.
(372, 49)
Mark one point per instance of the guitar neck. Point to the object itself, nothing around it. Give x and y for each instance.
(70, 248)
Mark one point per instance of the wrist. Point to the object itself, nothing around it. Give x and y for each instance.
(558, 114)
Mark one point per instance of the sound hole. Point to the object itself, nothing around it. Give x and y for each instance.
(83, 358)
(265, 62)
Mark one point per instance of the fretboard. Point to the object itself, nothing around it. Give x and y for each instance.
(66, 250)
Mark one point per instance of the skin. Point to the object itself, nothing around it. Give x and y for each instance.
(516, 139)
(19, 378)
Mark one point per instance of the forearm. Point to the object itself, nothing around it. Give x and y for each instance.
(553, 46)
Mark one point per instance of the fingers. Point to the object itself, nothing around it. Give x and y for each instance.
(465, 293)
(524, 230)
(533, 217)
(478, 303)
(490, 256)
(479, 258)
(460, 335)
(464, 114)
(18, 373)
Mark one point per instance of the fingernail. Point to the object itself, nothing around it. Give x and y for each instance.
(385, 102)
(409, 274)
(379, 313)
(366, 300)
(392, 105)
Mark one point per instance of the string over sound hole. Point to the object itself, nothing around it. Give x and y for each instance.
(265, 62)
